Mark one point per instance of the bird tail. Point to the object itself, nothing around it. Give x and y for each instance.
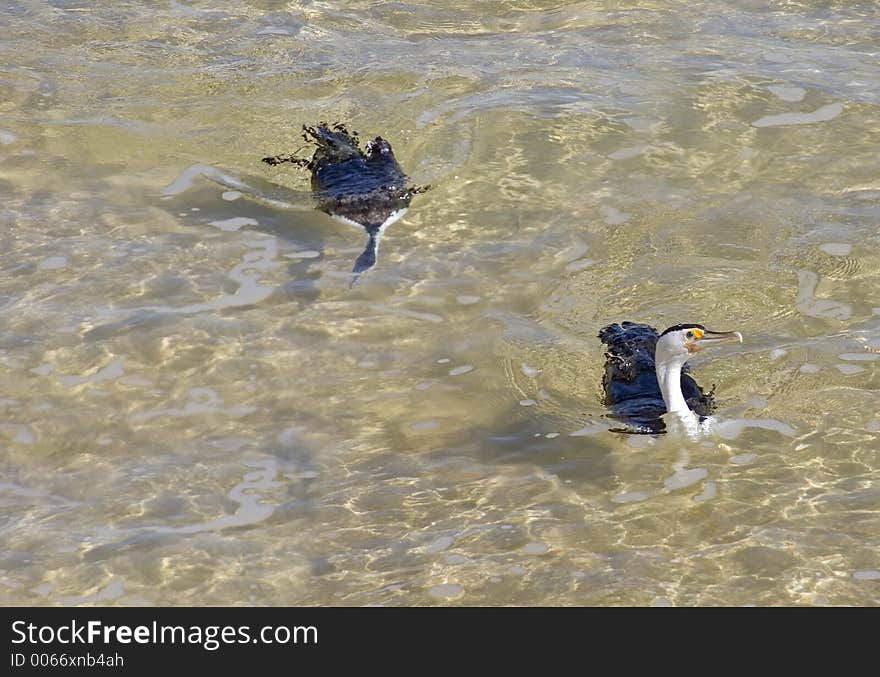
(368, 258)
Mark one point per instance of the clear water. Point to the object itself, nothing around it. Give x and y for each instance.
(197, 409)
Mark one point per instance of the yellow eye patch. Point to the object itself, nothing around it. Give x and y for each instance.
(694, 333)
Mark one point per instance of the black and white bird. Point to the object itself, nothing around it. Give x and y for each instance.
(362, 187)
(646, 375)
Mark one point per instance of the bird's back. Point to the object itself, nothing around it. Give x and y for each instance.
(631, 389)
(363, 186)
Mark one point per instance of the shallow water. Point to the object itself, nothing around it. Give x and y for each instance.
(197, 409)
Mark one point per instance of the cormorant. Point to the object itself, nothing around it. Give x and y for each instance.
(365, 188)
(646, 375)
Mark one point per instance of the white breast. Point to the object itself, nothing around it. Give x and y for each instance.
(394, 216)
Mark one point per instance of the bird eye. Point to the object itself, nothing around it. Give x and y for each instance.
(689, 335)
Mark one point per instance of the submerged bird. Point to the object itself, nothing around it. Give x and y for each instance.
(365, 188)
(646, 375)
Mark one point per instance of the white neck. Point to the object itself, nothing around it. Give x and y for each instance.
(669, 378)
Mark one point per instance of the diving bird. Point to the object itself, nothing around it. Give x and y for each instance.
(365, 188)
(646, 375)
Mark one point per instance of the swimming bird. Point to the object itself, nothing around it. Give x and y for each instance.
(646, 375)
(365, 188)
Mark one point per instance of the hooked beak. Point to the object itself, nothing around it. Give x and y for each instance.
(712, 338)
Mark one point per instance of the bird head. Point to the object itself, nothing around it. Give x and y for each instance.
(682, 341)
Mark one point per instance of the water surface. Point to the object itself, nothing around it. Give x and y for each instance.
(198, 409)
